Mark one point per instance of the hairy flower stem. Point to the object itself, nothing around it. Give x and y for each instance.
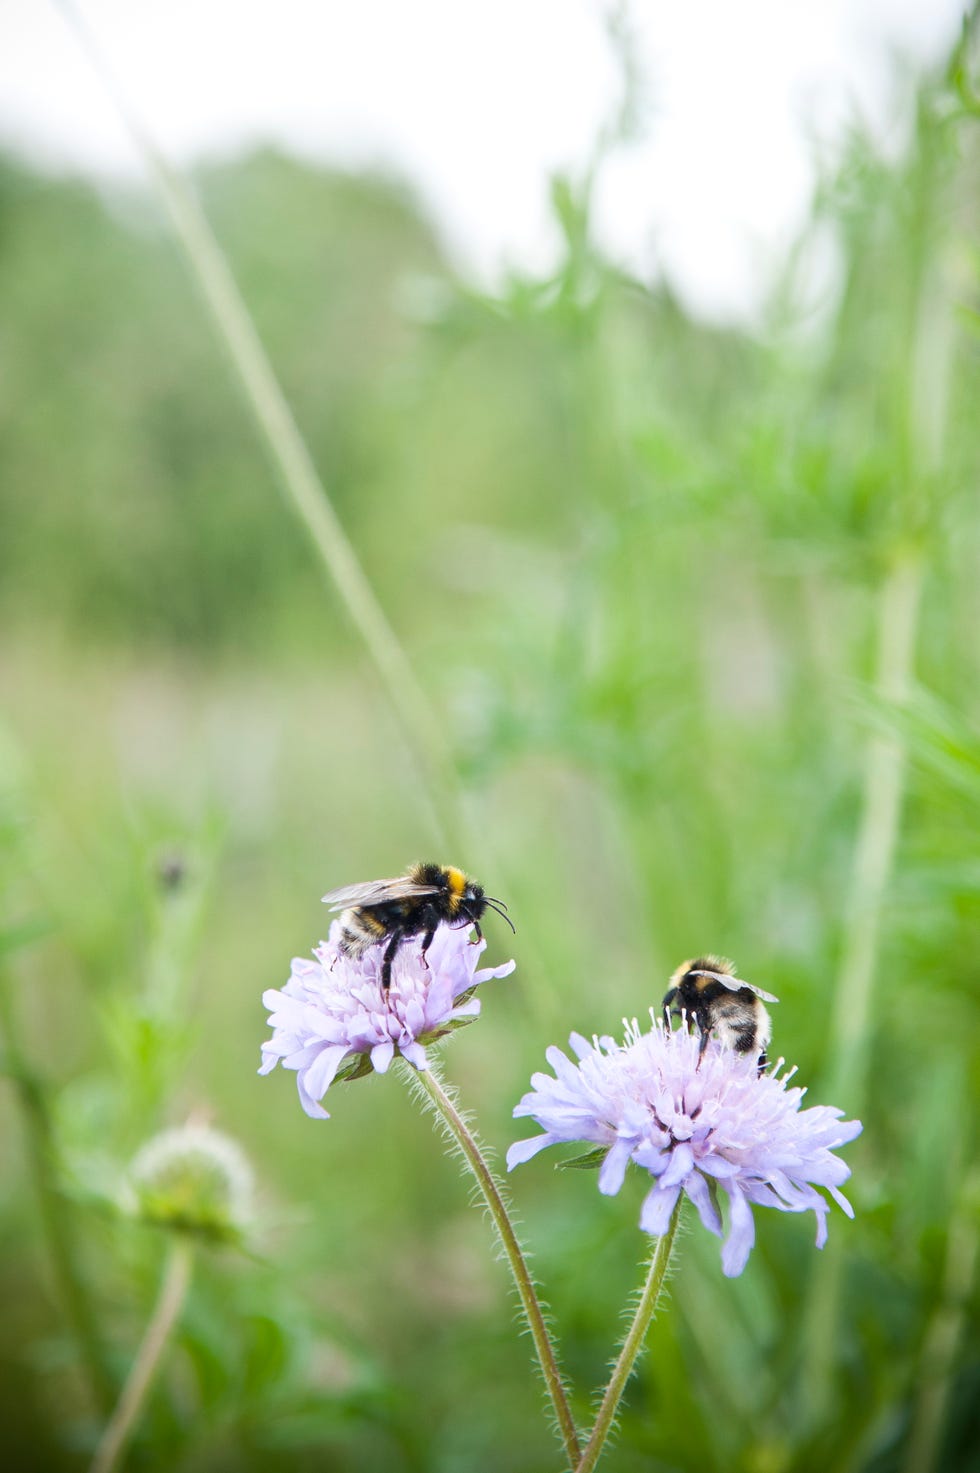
(456, 1127)
(173, 1292)
(632, 1345)
(55, 1211)
(290, 456)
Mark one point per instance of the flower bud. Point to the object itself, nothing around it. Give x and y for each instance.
(193, 1180)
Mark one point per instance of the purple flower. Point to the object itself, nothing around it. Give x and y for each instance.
(333, 1020)
(695, 1129)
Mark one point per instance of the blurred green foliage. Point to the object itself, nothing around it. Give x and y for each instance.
(637, 563)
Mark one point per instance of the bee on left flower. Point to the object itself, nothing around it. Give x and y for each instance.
(413, 904)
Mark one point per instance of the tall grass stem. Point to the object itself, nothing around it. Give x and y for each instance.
(632, 1345)
(945, 1332)
(874, 852)
(56, 1213)
(290, 455)
(928, 369)
(305, 492)
(851, 1019)
(455, 1126)
(163, 1321)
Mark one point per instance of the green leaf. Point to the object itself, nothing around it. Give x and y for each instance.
(588, 1161)
(355, 1068)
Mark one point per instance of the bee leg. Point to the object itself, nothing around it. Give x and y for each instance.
(705, 1035)
(389, 957)
(668, 1006)
(427, 941)
(479, 934)
(763, 1062)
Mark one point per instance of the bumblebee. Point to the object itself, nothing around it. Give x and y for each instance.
(709, 994)
(414, 904)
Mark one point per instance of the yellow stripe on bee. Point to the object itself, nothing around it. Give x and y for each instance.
(457, 881)
(365, 921)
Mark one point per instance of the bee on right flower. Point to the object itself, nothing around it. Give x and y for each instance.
(708, 994)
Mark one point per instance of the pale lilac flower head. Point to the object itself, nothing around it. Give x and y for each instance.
(332, 1019)
(695, 1129)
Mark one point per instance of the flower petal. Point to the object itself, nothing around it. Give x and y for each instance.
(718, 1166)
(841, 1200)
(821, 1216)
(613, 1169)
(741, 1235)
(414, 1015)
(415, 1054)
(565, 1071)
(485, 973)
(681, 1165)
(522, 1151)
(697, 1189)
(382, 1055)
(312, 1108)
(658, 1205)
(318, 1077)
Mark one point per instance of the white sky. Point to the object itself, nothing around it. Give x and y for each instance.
(477, 103)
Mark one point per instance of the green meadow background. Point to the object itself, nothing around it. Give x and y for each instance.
(697, 612)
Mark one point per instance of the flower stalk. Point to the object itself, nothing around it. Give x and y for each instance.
(442, 1103)
(166, 1312)
(632, 1345)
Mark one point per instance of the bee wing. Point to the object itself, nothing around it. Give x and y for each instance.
(735, 984)
(766, 996)
(376, 892)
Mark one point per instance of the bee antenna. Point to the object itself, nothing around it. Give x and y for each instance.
(494, 906)
(492, 900)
